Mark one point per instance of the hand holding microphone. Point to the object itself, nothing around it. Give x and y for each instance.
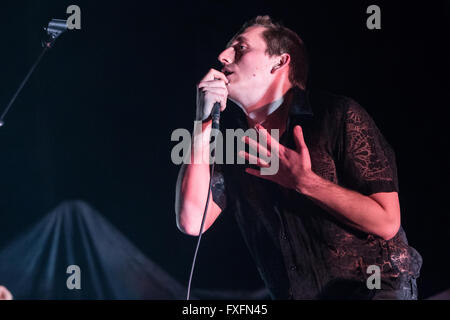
(211, 89)
(212, 96)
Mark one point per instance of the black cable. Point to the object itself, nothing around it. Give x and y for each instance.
(2, 117)
(201, 231)
(215, 113)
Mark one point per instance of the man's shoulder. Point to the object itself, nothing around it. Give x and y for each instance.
(335, 106)
(325, 100)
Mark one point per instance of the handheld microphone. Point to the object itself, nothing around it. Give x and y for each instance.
(215, 115)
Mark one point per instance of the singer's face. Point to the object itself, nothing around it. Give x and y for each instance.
(246, 57)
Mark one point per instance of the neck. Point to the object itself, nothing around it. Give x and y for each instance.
(273, 115)
(266, 98)
(260, 114)
(270, 97)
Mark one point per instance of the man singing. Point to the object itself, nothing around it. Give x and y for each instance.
(329, 217)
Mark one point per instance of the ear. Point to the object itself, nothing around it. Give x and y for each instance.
(281, 62)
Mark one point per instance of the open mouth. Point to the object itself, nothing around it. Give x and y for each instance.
(227, 73)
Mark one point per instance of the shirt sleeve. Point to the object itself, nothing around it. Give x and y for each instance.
(368, 160)
(218, 187)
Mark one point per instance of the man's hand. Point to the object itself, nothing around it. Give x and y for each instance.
(211, 89)
(294, 165)
(377, 214)
(5, 294)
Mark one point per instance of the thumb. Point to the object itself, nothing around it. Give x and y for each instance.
(298, 138)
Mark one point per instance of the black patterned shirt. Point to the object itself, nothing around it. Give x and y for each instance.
(301, 251)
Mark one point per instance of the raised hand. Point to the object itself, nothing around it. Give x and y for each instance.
(294, 165)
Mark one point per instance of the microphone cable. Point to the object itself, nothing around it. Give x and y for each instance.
(215, 114)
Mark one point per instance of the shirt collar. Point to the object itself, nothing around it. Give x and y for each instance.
(300, 105)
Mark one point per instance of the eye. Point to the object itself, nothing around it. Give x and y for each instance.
(240, 47)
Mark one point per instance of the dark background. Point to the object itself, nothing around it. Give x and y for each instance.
(95, 120)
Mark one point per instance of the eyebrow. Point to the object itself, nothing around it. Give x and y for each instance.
(239, 38)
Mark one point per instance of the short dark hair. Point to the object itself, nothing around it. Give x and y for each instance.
(279, 40)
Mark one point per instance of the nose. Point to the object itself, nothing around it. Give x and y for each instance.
(227, 56)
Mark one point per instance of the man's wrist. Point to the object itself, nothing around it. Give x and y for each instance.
(201, 140)
(308, 183)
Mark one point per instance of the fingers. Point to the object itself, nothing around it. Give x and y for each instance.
(211, 84)
(214, 74)
(206, 89)
(266, 139)
(209, 92)
(299, 139)
(254, 160)
(253, 172)
(213, 95)
(219, 91)
(260, 149)
(257, 173)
